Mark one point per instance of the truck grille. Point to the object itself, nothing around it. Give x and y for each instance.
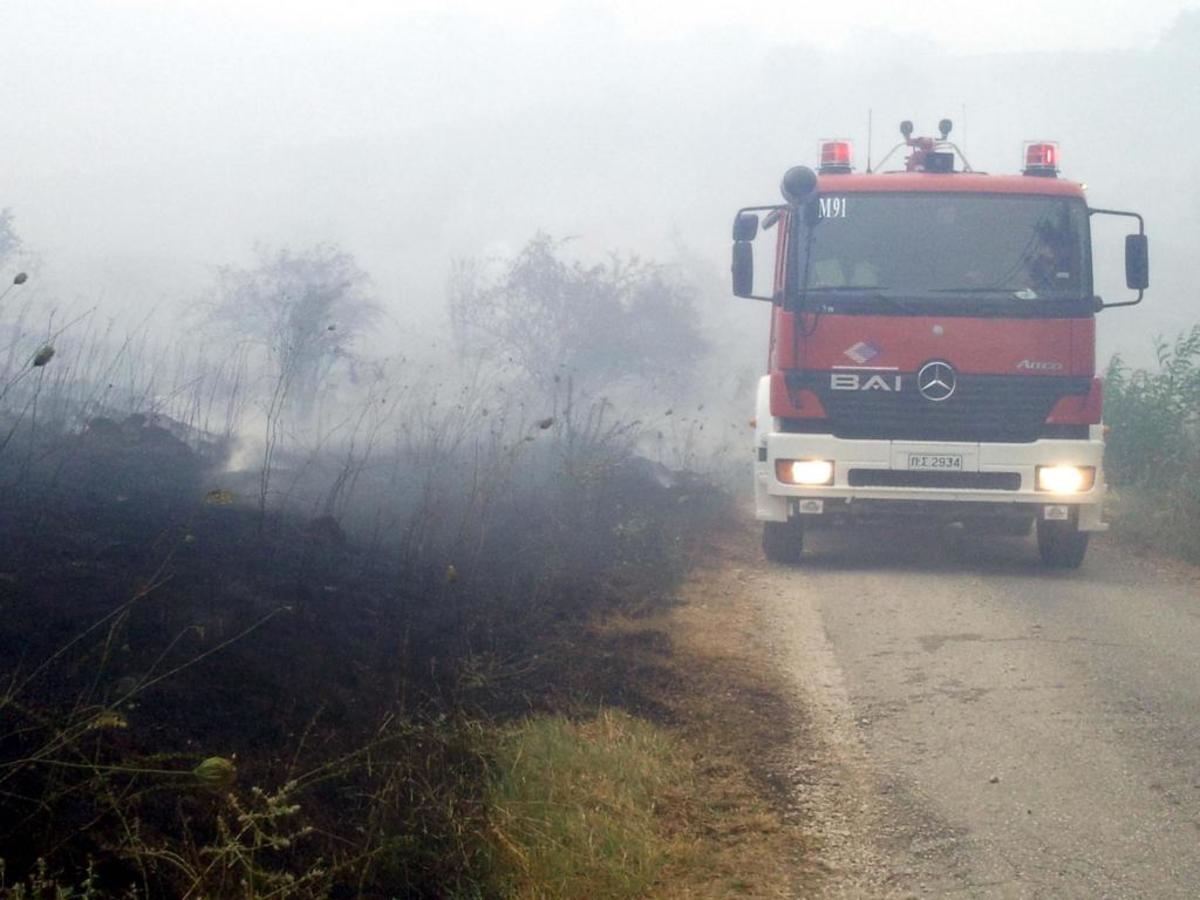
(899, 478)
(983, 408)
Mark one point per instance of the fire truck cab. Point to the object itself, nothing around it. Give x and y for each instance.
(932, 347)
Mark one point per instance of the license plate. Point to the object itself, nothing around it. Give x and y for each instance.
(938, 461)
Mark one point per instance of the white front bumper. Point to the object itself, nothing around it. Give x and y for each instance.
(774, 500)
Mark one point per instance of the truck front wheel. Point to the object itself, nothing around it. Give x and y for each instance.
(1061, 544)
(783, 542)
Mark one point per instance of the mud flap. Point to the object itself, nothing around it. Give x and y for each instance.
(1089, 518)
(767, 507)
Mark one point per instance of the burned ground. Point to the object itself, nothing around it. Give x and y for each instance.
(153, 619)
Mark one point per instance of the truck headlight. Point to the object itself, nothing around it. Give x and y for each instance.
(1065, 479)
(804, 471)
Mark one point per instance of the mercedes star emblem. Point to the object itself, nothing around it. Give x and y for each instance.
(936, 381)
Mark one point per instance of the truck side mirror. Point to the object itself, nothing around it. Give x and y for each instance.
(745, 227)
(743, 267)
(1137, 262)
(1137, 259)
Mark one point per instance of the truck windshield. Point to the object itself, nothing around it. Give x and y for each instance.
(934, 246)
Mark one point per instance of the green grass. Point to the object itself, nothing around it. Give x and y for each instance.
(577, 807)
(1159, 519)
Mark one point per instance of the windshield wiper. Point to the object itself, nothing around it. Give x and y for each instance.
(887, 295)
(1025, 293)
(843, 288)
(971, 290)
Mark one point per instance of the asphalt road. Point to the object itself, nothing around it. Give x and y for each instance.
(991, 728)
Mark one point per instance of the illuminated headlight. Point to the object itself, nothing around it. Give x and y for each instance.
(1065, 479)
(804, 471)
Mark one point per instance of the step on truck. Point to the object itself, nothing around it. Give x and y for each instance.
(932, 347)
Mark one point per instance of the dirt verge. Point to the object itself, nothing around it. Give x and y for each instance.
(766, 812)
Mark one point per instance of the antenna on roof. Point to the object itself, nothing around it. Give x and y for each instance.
(869, 111)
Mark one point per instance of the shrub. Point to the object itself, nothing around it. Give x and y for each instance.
(1153, 454)
(626, 319)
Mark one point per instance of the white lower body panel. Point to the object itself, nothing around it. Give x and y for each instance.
(776, 501)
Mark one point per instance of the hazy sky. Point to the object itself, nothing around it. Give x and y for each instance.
(145, 141)
(968, 26)
(128, 79)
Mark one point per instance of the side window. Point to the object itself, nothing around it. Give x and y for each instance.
(1054, 263)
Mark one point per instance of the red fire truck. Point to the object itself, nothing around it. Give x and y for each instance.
(932, 350)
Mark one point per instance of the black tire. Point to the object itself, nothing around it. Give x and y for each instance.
(1061, 544)
(783, 542)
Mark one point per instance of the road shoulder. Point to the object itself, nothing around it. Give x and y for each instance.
(778, 714)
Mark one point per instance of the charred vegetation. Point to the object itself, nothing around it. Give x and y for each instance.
(291, 675)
